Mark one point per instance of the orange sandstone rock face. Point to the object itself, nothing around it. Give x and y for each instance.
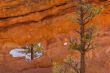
(48, 21)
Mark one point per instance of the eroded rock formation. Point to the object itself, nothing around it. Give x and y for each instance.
(47, 21)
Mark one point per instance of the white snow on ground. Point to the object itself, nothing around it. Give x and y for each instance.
(18, 52)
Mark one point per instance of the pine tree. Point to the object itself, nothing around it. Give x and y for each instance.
(33, 48)
(86, 12)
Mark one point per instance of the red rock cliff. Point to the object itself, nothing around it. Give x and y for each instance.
(48, 21)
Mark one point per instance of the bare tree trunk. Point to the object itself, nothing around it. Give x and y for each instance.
(32, 53)
(82, 63)
(82, 31)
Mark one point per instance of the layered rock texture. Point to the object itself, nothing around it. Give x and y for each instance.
(49, 22)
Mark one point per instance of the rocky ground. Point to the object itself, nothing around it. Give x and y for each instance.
(48, 21)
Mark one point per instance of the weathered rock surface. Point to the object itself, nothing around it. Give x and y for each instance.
(48, 21)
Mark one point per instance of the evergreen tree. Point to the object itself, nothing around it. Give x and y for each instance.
(33, 48)
(86, 12)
